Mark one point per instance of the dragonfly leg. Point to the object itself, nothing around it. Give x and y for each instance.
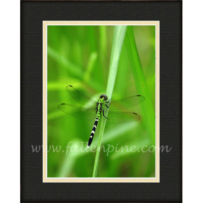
(105, 116)
(106, 105)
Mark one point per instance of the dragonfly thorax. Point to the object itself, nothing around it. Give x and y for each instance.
(104, 97)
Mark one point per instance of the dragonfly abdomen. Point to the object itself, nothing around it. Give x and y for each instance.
(93, 131)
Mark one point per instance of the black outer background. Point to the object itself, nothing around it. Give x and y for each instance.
(170, 16)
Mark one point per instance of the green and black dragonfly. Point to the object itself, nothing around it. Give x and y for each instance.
(98, 109)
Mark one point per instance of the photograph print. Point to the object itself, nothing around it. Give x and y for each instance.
(101, 101)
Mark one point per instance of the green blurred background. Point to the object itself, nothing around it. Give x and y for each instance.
(80, 56)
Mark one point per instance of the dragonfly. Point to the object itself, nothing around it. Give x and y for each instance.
(98, 109)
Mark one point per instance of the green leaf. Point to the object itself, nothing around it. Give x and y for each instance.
(148, 108)
(119, 34)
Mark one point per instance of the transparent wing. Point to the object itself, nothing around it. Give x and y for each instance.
(122, 117)
(78, 112)
(79, 96)
(128, 101)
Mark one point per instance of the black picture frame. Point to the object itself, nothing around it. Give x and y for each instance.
(169, 13)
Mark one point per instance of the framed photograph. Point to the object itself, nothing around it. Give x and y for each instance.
(101, 101)
(127, 140)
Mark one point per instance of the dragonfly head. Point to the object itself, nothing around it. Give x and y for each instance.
(104, 97)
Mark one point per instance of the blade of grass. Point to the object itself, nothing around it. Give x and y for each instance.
(102, 45)
(71, 158)
(118, 38)
(117, 131)
(55, 114)
(103, 42)
(141, 84)
(75, 70)
(90, 66)
(64, 62)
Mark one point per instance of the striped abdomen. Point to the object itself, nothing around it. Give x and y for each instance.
(93, 131)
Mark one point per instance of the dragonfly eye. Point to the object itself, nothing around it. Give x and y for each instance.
(104, 96)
